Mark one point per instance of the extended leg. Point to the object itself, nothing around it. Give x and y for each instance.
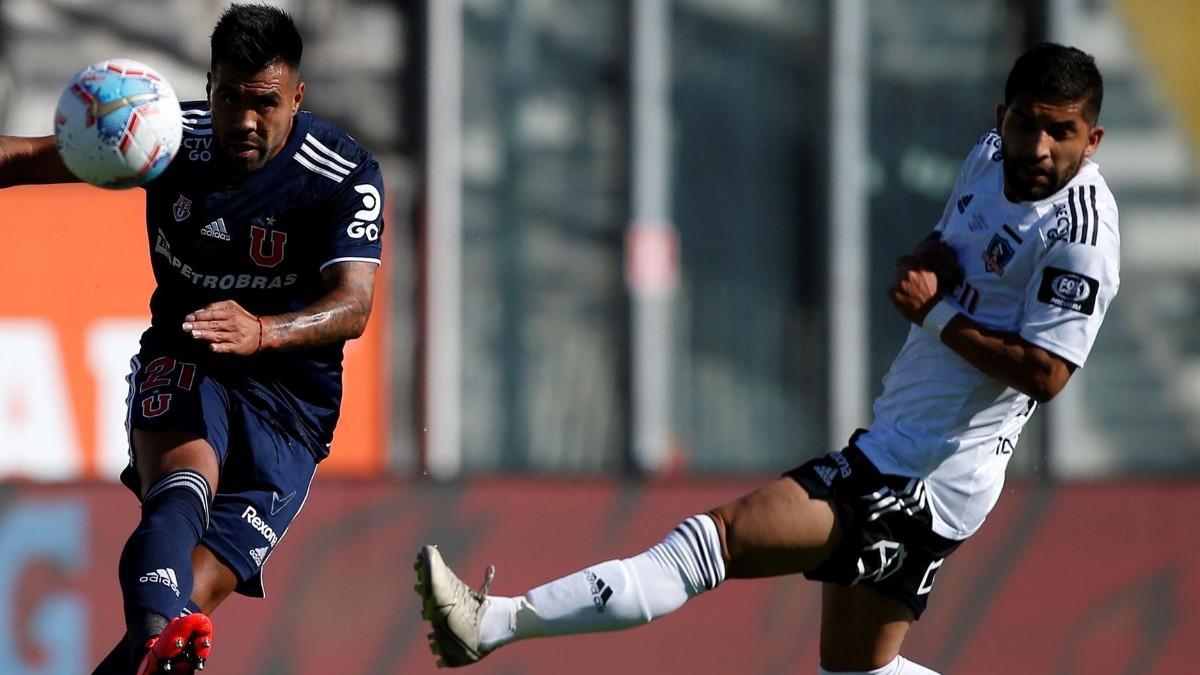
(776, 530)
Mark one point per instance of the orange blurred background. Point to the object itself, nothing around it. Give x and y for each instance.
(75, 258)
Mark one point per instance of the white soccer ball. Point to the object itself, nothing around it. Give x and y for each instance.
(118, 124)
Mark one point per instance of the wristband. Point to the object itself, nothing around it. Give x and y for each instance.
(937, 318)
(260, 335)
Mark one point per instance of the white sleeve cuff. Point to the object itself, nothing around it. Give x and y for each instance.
(937, 318)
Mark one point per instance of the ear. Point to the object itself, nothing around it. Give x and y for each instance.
(208, 87)
(298, 98)
(1000, 110)
(1094, 135)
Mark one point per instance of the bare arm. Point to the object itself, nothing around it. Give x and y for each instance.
(1008, 358)
(340, 314)
(31, 161)
(1004, 356)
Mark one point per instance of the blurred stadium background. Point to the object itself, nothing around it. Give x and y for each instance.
(635, 266)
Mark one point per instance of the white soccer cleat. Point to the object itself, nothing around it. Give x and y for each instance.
(452, 608)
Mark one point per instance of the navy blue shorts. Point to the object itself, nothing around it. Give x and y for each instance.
(265, 470)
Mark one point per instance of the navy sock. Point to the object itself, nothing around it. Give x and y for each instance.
(156, 564)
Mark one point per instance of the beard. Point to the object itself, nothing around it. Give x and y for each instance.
(244, 153)
(1031, 182)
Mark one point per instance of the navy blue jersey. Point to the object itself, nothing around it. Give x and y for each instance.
(262, 240)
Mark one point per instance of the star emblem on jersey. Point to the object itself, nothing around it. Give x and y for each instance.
(278, 503)
(998, 254)
(182, 208)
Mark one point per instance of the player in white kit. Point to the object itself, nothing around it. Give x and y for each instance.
(1005, 297)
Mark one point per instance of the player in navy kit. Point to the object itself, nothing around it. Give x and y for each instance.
(264, 236)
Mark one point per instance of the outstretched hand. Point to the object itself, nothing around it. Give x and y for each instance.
(227, 328)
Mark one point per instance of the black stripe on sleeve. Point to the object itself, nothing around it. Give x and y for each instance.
(1096, 216)
(706, 566)
(683, 533)
(1074, 215)
(1083, 210)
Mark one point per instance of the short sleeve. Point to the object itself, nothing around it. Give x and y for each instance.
(986, 150)
(1071, 289)
(357, 217)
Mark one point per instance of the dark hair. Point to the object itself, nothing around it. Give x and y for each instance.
(1051, 71)
(252, 37)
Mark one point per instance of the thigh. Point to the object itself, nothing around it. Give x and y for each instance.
(177, 418)
(264, 483)
(778, 529)
(861, 629)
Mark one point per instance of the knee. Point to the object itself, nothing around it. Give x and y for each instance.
(722, 518)
(735, 523)
(158, 453)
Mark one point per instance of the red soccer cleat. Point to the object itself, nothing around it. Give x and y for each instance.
(182, 647)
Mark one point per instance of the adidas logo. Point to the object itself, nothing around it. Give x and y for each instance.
(965, 202)
(601, 591)
(826, 473)
(166, 577)
(259, 555)
(216, 230)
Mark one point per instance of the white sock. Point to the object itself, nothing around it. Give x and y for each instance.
(898, 666)
(615, 594)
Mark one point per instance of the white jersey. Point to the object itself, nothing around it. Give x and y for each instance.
(1046, 270)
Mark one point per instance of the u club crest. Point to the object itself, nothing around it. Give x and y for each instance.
(182, 208)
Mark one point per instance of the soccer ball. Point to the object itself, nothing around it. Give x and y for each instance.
(117, 124)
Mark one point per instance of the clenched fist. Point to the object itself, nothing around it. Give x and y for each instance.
(939, 258)
(915, 290)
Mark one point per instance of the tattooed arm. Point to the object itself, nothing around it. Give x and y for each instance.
(340, 314)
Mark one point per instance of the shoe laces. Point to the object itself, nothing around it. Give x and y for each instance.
(464, 592)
